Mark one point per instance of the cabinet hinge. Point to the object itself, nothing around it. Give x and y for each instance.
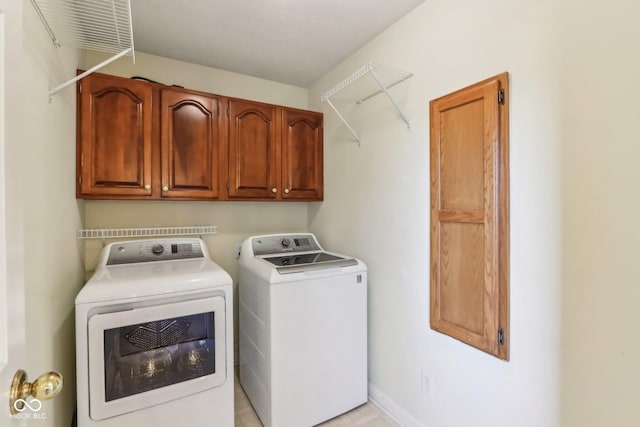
(80, 179)
(80, 87)
(228, 186)
(501, 96)
(501, 336)
(227, 111)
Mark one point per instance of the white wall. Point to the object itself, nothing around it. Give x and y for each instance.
(12, 306)
(377, 207)
(198, 77)
(42, 211)
(601, 148)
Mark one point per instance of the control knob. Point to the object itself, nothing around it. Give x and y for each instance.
(157, 249)
(285, 243)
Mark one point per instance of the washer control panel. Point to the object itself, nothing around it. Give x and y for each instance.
(276, 244)
(154, 250)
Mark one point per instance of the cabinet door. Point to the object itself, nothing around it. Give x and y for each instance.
(253, 159)
(190, 145)
(114, 137)
(302, 160)
(469, 215)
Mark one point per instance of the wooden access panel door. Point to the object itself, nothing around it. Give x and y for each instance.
(469, 215)
(252, 155)
(190, 141)
(302, 160)
(114, 137)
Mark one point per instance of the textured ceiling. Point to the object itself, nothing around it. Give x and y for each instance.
(289, 41)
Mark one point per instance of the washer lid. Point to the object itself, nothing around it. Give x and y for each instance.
(309, 261)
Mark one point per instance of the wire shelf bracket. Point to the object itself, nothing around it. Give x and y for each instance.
(102, 25)
(123, 233)
(385, 78)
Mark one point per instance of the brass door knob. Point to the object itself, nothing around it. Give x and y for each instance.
(274, 190)
(286, 191)
(165, 188)
(147, 187)
(46, 386)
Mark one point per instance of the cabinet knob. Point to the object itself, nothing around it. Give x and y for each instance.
(165, 188)
(286, 191)
(274, 190)
(147, 187)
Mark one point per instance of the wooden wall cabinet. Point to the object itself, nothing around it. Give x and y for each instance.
(115, 138)
(190, 144)
(252, 157)
(469, 152)
(274, 152)
(301, 154)
(140, 140)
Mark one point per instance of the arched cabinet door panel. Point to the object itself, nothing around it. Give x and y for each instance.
(114, 137)
(302, 155)
(190, 144)
(252, 154)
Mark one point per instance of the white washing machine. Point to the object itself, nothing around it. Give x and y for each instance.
(154, 337)
(303, 330)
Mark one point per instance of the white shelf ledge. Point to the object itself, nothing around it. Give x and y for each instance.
(118, 233)
(384, 78)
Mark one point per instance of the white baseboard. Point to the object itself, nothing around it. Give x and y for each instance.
(391, 408)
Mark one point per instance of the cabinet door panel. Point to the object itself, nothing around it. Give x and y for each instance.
(462, 299)
(252, 150)
(190, 145)
(470, 215)
(114, 137)
(302, 160)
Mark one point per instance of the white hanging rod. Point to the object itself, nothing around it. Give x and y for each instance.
(89, 71)
(101, 25)
(113, 233)
(401, 80)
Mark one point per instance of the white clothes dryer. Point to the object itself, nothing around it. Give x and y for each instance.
(154, 337)
(302, 328)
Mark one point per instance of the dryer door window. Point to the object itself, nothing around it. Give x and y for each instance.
(149, 355)
(155, 354)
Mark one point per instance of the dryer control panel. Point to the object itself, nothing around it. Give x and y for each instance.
(154, 250)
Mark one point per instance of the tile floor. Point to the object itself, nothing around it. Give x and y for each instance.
(367, 415)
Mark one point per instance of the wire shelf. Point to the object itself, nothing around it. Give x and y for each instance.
(102, 25)
(117, 233)
(361, 89)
